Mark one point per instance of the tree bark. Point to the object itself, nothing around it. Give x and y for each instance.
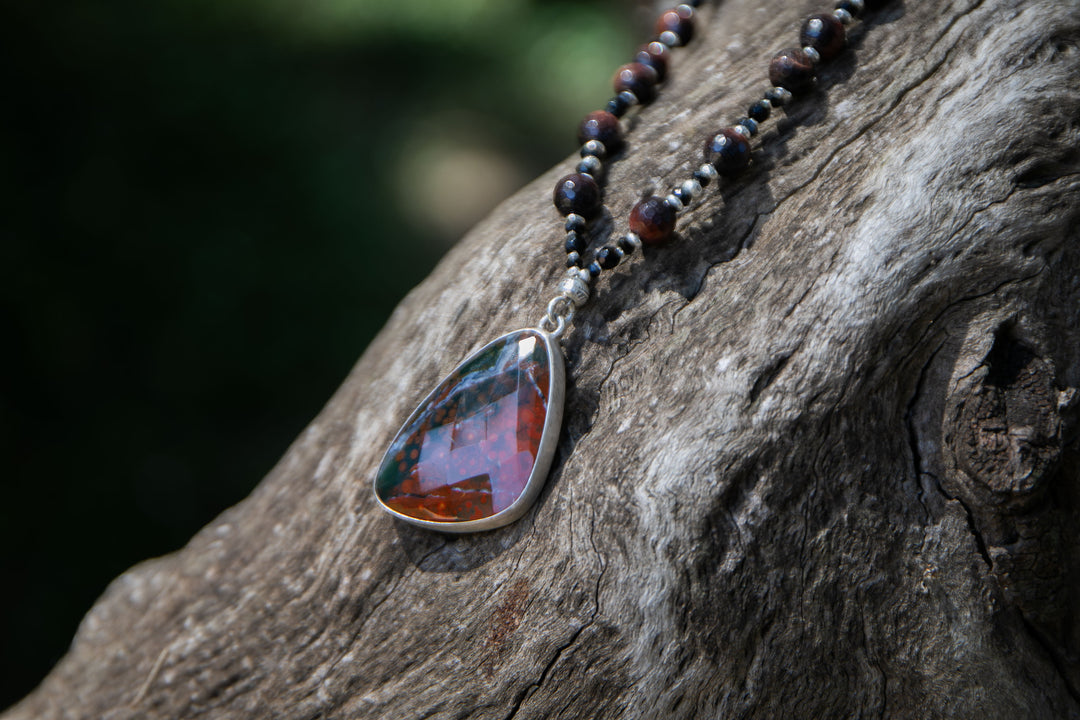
(819, 457)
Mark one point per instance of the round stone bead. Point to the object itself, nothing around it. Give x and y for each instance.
(608, 257)
(792, 69)
(760, 110)
(656, 55)
(618, 106)
(602, 126)
(679, 20)
(579, 194)
(728, 151)
(825, 34)
(575, 223)
(653, 220)
(575, 242)
(638, 79)
(573, 260)
(853, 7)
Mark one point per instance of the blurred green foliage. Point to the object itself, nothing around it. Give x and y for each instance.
(204, 222)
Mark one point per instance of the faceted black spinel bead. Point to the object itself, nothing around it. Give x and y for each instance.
(625, 245)
(855, 7)
(617, 106)
(607, 257)
(748, 123)
(760, 110)
(575, 242)
(684, 197)
(573, 260)
(776, 98)
(577, 193)
(825, 34)
(594, 269)
(575, 223)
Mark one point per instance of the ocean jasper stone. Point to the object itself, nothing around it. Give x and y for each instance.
(475, 453)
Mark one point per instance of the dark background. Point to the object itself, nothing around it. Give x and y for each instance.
(208, 210)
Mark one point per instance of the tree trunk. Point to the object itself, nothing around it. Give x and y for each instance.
(819, 457)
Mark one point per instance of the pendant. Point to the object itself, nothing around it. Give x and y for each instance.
(475, 453)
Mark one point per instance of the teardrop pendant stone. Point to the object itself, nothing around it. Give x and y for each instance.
(476, 452)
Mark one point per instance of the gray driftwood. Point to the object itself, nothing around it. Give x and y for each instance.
(820, 456)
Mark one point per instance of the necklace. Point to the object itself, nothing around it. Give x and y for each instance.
(475, 453)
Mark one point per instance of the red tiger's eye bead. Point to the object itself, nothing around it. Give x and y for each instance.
(653, 220)
(637, 78)
(825, 34)
(792, 69)
(656, 55)
(728, 151)
(679, 20)
(577, 193)
(603, 126)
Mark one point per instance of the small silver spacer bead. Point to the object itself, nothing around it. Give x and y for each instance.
(814, 55)
(591, 165)
(594, 148)
(634, 240)
(670, 39)
(782, 93)
(710, 170)
(843, 16)
(576, 219)
(685, 9)
(629, 98)
(575, 286)
(674, 203)
(742, 130)
(692, 187)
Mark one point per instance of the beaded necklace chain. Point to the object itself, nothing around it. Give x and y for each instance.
(475, 453)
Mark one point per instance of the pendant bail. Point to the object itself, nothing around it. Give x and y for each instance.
(573, 293)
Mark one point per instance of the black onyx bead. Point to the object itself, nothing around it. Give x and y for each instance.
(575, 242)
(626, 246)
(760, 110)
(854, 7)
(684, 197)
(728, 151)
(602, 126)
(656, 55)
(617, 106)
(607, 257)
(825, 34)
(638, 79)
(792, 69)
(594, 269)
(776, 98)
(575, 223)
(679, 20)
(579, 194)
(702, 177)
(748, 123)
(573, 260)
(653, 220)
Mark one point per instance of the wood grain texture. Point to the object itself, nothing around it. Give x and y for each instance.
(820, 455)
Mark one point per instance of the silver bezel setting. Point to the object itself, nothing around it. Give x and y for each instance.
(549, 440)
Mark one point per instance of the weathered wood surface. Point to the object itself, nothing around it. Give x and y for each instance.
(820, 457)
